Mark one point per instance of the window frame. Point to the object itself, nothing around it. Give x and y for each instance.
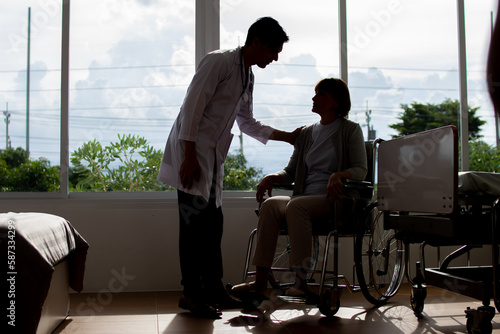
(207, 38)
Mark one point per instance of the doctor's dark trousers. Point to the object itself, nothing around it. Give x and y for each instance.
(200, 235)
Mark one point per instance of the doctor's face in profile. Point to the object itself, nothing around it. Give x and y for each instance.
(266, 55)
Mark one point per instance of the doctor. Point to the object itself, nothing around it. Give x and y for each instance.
(219, 94)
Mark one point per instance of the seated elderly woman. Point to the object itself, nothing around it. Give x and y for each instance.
(325, 153)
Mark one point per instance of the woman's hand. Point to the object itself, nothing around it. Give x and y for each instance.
(266, 184)
(334, 188)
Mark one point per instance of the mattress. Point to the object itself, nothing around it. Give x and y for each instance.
(479, 183)
(33, 244)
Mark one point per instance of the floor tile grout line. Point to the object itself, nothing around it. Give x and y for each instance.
(157, 317)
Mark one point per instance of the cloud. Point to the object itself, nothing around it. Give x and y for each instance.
(140, 59)
(121, 50)
(38, 72)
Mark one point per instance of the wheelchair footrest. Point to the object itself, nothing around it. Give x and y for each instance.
(307, 299)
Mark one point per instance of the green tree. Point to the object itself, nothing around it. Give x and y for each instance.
(419, 117)
(237, 175)
(19, 173)
(15, 157)
(91, 163)
(483, 157)
(130, 164)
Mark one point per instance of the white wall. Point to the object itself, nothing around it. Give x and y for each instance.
(134, 241)
(139, 238)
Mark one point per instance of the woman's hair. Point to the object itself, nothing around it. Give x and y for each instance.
(269, 32)
(338, 88)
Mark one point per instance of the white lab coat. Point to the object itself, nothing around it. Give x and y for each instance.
(214, 100)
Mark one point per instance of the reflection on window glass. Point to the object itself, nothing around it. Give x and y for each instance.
(400, 52)
(478, 22)
(284, 90)
(130, 67)
(404, 65)
(30, 100)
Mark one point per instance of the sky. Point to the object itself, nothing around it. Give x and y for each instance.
(131, 62)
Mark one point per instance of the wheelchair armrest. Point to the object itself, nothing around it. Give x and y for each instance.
(347, 184)
(283, 186)
(365, 188)
(350, 183)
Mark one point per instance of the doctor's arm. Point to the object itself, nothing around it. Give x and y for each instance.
(250, 126)
(190, 170)
(288, 137)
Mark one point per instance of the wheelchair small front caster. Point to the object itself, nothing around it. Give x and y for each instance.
(418, 293)
(329, 302)
(417, 298)
(479, 320)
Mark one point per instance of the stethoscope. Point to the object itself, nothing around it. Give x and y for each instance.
(244, 79)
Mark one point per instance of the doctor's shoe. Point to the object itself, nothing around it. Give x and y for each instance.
(199, 309)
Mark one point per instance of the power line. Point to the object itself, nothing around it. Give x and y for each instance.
(280, 64)
(99, 68)
(260, 84)
(94, 88)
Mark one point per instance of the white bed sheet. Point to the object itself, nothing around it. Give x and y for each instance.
(479, 183)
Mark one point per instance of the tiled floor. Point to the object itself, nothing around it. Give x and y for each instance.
(157, 312)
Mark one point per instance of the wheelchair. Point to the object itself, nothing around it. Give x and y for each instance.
(378, 256)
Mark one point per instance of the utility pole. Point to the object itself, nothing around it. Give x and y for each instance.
(7, 121)
(368, 119)
(28, 86)
(241, 142)
(371, 134)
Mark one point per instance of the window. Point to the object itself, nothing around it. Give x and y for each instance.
(283, 91)
(130, 68)
(30, 99)
(478, 22)
(400, 52)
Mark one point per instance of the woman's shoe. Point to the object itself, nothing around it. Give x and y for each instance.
(242, 288)
(247, 294)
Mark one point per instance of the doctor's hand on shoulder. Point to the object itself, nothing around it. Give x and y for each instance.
(288, 137)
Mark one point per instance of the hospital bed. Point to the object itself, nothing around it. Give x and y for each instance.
(43, 257)
(423, 199)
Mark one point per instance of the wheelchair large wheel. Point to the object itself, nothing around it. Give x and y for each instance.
(379, 259)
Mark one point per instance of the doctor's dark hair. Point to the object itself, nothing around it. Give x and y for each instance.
(269, 32)
(338, 88)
